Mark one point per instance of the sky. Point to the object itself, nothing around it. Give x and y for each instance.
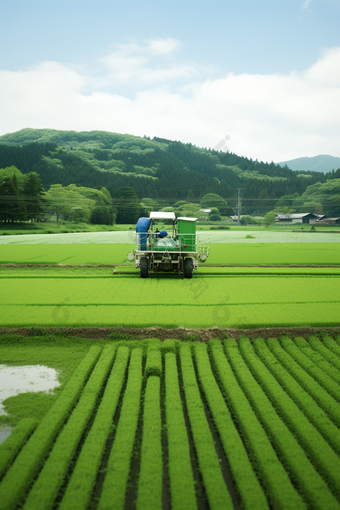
(260, 79)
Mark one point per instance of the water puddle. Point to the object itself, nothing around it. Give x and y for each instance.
(21, 379)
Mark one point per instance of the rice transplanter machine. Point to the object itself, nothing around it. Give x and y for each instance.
(156, 250)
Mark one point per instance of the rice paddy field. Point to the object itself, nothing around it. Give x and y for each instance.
(243, 421)
(184, 425)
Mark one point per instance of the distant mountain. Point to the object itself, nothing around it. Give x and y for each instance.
(162, 169)
(322, 163)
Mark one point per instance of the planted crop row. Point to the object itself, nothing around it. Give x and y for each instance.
(28, 463)
(217, 494)
(278, 485)
(249, 489)
(234, 425)
(180, 469)
(302, 398)
(317, 373)
(11, 447)
(328, 355)
(291, 434)
(151, 469)
(118, 465)
(81, 484)
(46, 487)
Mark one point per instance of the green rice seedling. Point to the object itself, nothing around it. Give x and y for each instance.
(249, 489)
(153, 361)
(10, 448)
(307, 382)
(47, 485)
(29, 461)
(180, 470)
(319, 375)
(216, 490)
(332, 358)
(80, 487)
(331, 344)
(118, 467)
(318, 356)
(150, 487)
(275, 479)
(268, 399)
(302, 398)
(170, 345)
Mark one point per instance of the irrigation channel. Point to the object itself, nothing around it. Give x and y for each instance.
(175, 425)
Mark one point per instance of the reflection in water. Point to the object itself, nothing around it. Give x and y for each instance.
(21, 379)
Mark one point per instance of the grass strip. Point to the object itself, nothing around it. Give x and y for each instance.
(47, 485)
(83, 478)
(302, 398)
(153, 361)
(331, 344)
(10, 448)
(271, 403)
(314, 350)
(150, 480)
(26, 466)
(249, 489)
(307, 382)
(118, 467)
(215, 487)
(333, 359)
(281, 493)
(180, 470)
(317, 373)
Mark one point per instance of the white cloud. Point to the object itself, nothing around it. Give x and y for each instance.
(151, 63)
(305, 5)
(268, 117)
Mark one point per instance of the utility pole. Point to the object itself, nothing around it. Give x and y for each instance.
(238, 205)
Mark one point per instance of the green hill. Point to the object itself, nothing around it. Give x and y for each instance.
(163, 169)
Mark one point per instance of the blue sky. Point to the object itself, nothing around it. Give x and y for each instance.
(265, 73)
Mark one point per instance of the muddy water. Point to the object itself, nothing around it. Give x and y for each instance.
(21, 379)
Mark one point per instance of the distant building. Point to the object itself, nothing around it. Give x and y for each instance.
(297, 218)
(329, 221)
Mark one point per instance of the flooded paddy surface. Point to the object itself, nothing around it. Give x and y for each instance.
(16, 379)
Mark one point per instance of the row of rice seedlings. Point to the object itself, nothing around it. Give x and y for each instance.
(80, 487)
(29, 461)
(319, 359)
(153, 361)
(182, 489)
(10, 448)
(302, 398)
(117, 470)
(150, 487)
(47, 485)
(332, 359)
(249, 489)
(268, 398)
(319, 375)
(215, 487)
(308, 383)
(331, 344)
(279, 487)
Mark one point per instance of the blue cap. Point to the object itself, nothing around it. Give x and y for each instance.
(163, 233)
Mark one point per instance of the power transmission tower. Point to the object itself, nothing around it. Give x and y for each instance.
(238, 205)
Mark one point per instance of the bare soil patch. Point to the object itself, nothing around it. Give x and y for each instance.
(201, 335)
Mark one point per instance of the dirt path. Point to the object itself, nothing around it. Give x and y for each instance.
(202, 335)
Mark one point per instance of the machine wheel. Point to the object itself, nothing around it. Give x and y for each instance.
(144, 267)
(188, 268)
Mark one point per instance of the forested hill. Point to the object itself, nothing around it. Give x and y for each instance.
(156, 168)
